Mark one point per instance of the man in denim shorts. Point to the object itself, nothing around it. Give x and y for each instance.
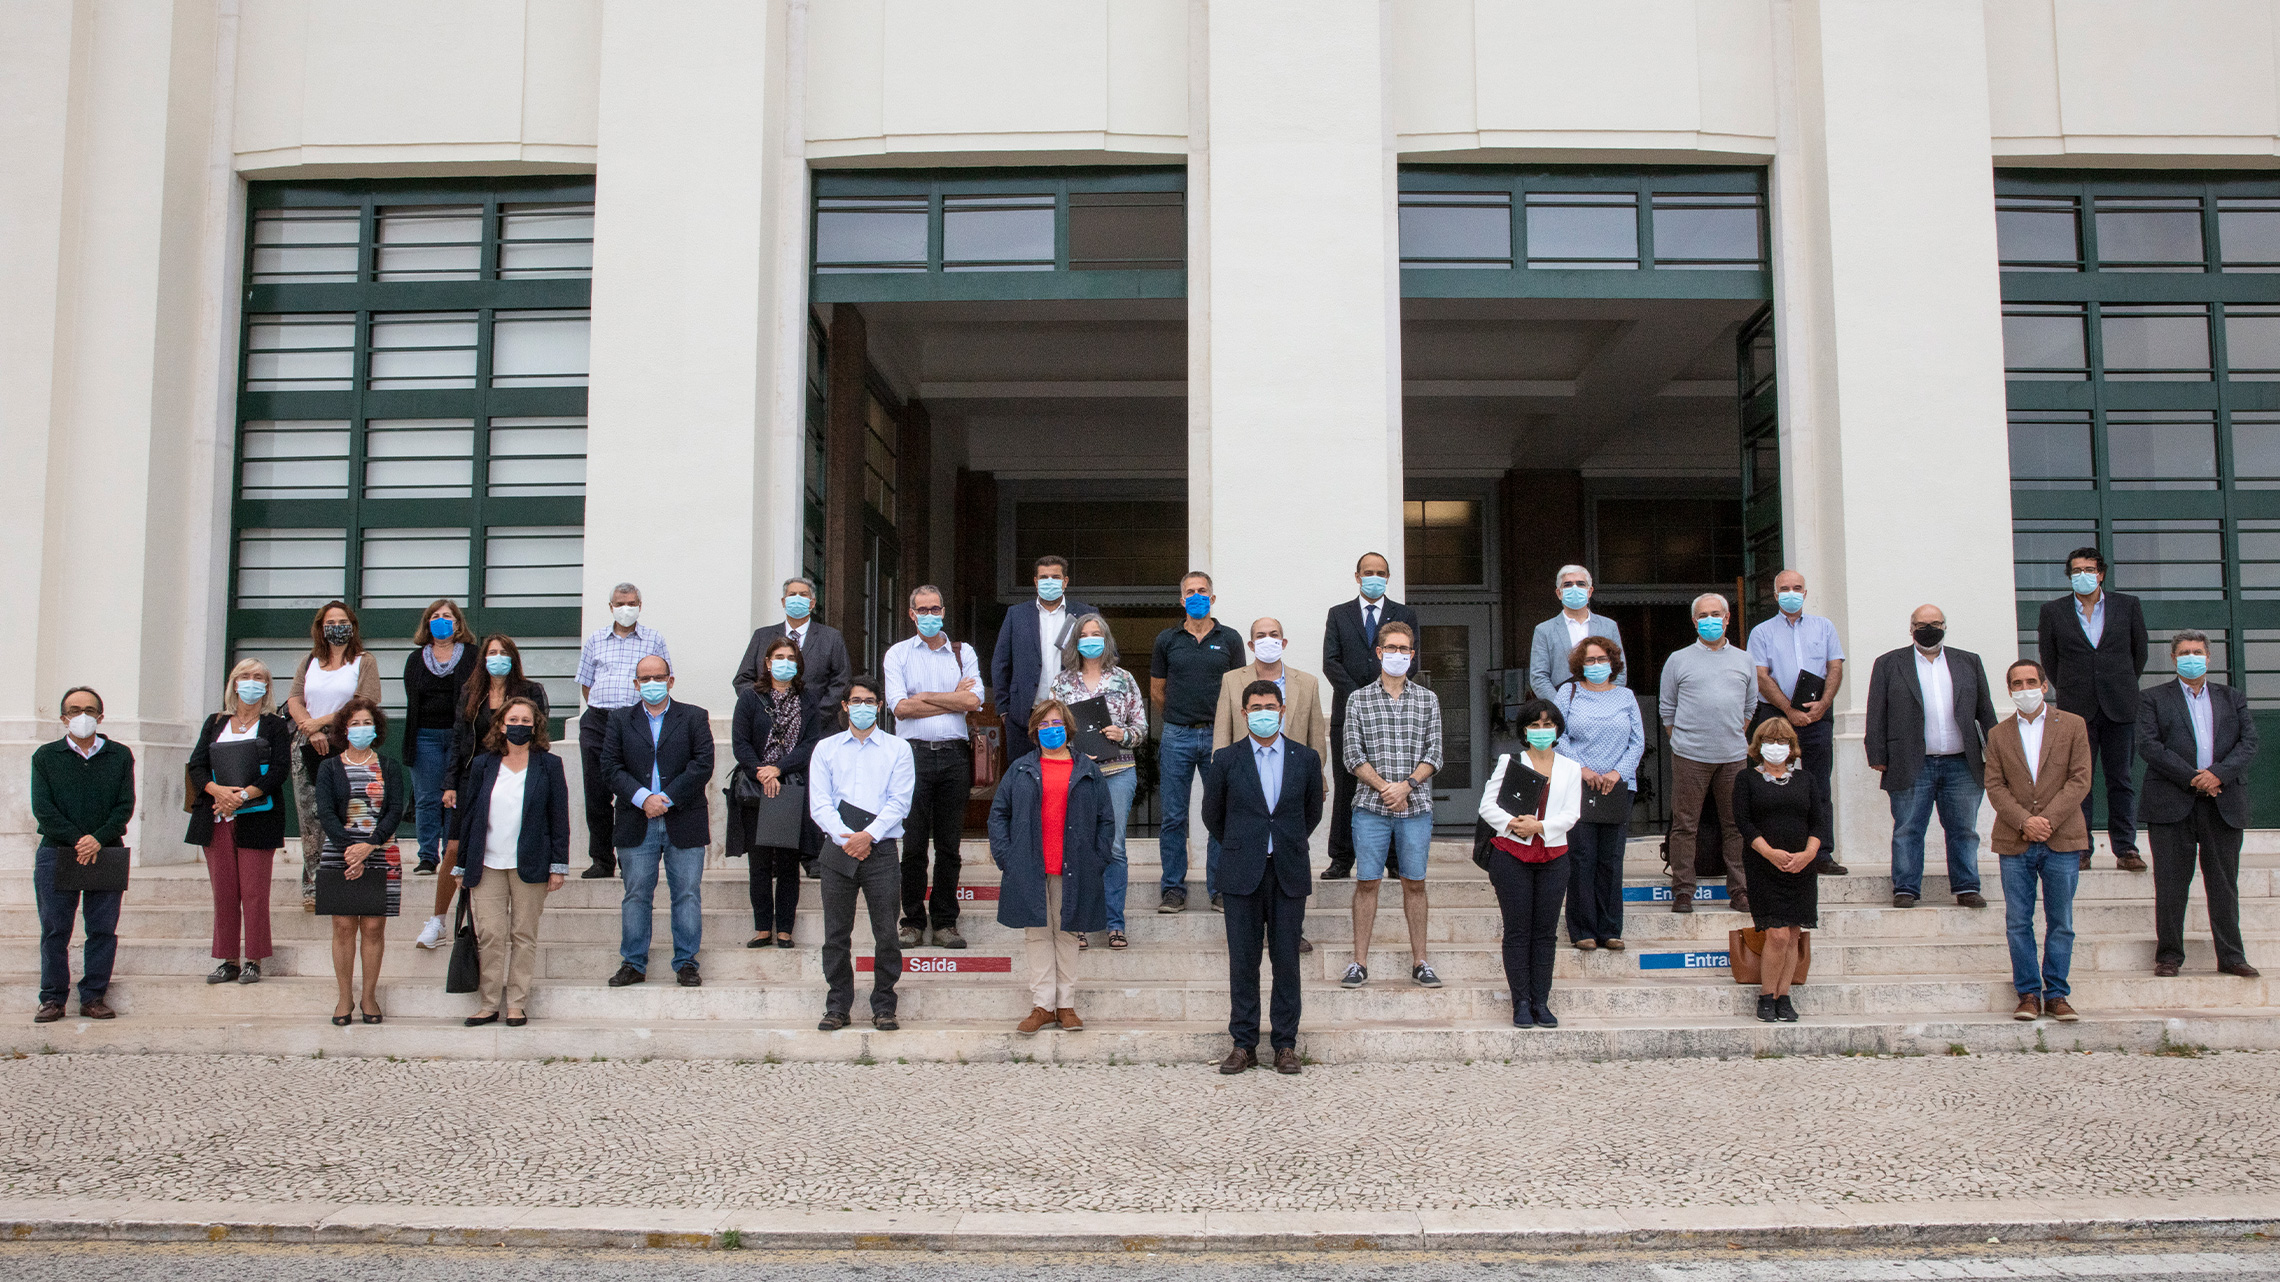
(1393, 746)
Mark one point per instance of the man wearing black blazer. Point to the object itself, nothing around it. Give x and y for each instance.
(2093, 642)
(1029, 646)
(2197, 738)
(1929, 711)
(1349, 660)
(659, 761)
(1262, 795)
(823, 651)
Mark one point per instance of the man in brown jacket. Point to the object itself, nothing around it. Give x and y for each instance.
(2038, 771)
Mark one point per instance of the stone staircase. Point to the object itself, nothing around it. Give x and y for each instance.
(1884, 980)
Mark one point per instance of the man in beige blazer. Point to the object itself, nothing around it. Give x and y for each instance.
(2038, 772)
(1303, 719)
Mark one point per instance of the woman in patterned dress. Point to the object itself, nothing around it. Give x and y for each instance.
(1088, 670)
(361, 797)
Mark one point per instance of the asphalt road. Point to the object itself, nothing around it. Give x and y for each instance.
(107, 1262)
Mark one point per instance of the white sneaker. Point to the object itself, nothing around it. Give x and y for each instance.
(431, 935)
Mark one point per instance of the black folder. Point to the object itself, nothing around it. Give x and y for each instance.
(1523, 789)
(108, 872)
(244, 763)
(1809, 688)
(776, 820)
(855, 817)
(1091, 717)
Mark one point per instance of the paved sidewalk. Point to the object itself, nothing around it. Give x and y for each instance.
(1008, 1137)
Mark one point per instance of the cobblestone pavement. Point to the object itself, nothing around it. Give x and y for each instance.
(1178, 1138)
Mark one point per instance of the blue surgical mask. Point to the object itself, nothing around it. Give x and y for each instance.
(783, 669)
(1092, 647)
(1790, 602)
(1710, 627)
(2084, 583)
(498, 665)
(1598, 672)
(442, 626)
(362, 736)
(863, 716)
(797, 607)
(1542, 737)
(1197, 604)
(1264, 722)
(930, 625)
(249, 692)
(1048, 589)
(653, 692)
(1373, 586)
(2192, 667)
(1575, 598)
(1053, 737)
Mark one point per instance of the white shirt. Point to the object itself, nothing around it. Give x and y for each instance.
(874, 773)
(2203, 716)
(1050, 620)
(88, 753)
(914, 667)
(1941, 738)
(323, 693)
(2030, 742)
(505, 830)
(1576, 627)
(797, 634)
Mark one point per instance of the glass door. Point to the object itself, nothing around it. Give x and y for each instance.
(1453, 656)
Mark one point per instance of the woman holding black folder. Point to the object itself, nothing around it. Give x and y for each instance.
(1530, 803)
(361, 798)
(242, 760)
(1089, 672)
(1605, 736)
(776, 728)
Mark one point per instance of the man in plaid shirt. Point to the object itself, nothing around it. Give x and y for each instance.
(1393, 746)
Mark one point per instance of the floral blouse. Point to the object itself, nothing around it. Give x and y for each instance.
(1126, 708)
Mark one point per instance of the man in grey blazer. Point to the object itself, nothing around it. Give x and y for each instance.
(822, 648)
(1563, 632)
(2197, 738)
(1929, 711)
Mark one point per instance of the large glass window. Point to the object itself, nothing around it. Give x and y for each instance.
(1444, 542)
(1137, 544)
(1589, 229)
(1456, 229)
(2149, 233)
(1514, 232)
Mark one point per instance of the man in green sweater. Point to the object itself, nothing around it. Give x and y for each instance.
(83, 794)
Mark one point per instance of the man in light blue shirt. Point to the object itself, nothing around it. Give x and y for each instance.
(861, 772)
(1794, 645)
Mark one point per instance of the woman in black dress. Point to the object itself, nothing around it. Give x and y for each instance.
(1783, 814)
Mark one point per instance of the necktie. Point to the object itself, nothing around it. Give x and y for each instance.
(1369, 625)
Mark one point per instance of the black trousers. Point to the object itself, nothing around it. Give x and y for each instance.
(1818, 751)
(1267, 921)
(2206, 840)
(1342, 787)
(775, 887)
(875, 878)
(945, 771)
(601, 803)
(1595, 893)
(1529, 895)
(2114, 745)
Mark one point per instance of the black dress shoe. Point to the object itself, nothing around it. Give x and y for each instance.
(1238, 1060)
(596, 872)
(517, 1021)
(2242, 969)
(885, 1023)
(1338, 871)
(689, 977)
(477, 1021)
(831, 1022)
(627, 975)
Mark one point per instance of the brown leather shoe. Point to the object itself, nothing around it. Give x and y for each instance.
(2057, 1009)
(2085, 861)
(2129, 863)
(2165, 970)
(1039, 1017)
(50, 1012)
(1286, 1061)
(96, 1010)
(1239, 1059)
(2242, 969)
(1971, 899)
(1069, 1021)
(2029, 1008)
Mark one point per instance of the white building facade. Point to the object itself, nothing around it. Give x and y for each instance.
(510, 300)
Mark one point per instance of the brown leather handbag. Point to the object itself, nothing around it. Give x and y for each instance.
(1745, 956)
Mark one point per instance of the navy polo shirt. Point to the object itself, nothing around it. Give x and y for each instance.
(1190, 670)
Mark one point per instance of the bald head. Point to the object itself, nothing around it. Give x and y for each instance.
(1931, 614)
(1266, 628)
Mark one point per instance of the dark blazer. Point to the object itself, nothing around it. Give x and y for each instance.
(432, 702)
(748, 738)
(1894, 733)
(823, 656)
(1015, 663)
(1017, 846)
(1349, 659)
(544, 846)
(332, 801)
(469, 733)
(2091, 682)
(2165, 740)
(262, 829)
(1235, 812)
(684, 760)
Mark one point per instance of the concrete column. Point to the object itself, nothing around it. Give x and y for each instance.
(1293, 309)
(1895, 468)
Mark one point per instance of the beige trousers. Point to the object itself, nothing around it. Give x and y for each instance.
(506, 912)
(1052, 956)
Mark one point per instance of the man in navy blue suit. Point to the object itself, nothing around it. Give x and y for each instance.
(659, 762)
(1029, 647)
(1262, 795)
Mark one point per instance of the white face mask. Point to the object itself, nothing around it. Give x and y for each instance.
(1774, 753)
(1395, 665)
(1269, 649)
(2028, 701)
(625, 615)
(81, 726)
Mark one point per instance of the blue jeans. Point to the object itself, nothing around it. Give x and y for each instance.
(2055, 872)
(1945, 782)
(1121, 786)
(428, 784)
(1403, 840)
(684, 873)
(1185, 751)
(57, 908)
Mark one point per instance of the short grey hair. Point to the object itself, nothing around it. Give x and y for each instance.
(1567, 570)
(624, 589)
(2188, 634)
(1070, 659)
(928, 587)
(786, 590)
(1723, 604)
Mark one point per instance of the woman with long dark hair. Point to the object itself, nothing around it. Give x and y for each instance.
(435, 675)
(336, 670)
(496, 681)
(778, 723)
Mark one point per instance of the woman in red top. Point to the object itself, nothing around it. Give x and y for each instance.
(1528, 863)
(1052, 827)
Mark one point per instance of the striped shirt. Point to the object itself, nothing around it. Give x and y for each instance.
(1604, 732)
(1393, 736)
(606, 664)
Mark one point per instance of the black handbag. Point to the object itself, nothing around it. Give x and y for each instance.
(107, 873)
(465, 974)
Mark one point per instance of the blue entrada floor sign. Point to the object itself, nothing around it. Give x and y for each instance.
(1661, 894)
(1683, 961)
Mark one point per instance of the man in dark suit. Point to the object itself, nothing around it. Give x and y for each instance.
(1029, 646)
(2094, 643)
(1929, 711)
(1262, 795)
(1349, 660)
(2197, 738)
(823, 651)
(659, 761)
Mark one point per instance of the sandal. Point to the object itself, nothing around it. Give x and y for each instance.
(372, 1017)
(1116, 939)
(1084, 940)
(341, 1021)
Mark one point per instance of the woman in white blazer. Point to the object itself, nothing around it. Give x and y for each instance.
(1531, 801)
